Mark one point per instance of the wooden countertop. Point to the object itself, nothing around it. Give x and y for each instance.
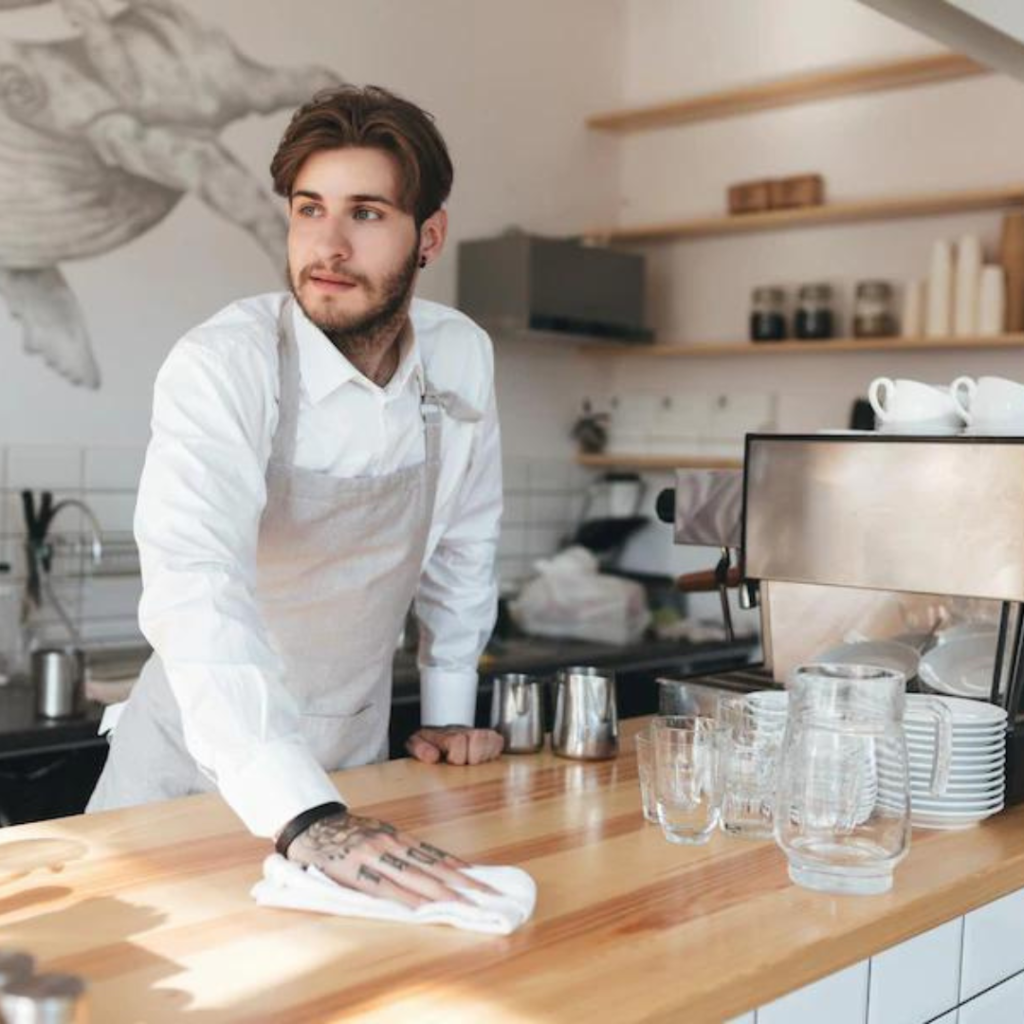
(152, 906)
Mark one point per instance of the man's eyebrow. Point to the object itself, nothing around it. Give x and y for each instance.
(368, 197)
(361, 197)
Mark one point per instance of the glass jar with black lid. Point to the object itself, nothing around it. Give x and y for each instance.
(814, 320)
(767, 314)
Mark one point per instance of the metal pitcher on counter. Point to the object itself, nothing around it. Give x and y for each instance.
(517, 712)
(586, 716)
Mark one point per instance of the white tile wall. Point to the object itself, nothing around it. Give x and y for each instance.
(918, 979)
(543, 500)
(993, 944)
(1003, 1004)
(838, 999)
(101, 601)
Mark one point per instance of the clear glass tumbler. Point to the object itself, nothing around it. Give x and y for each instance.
(751, 743)
(686, 780)
(645, 772)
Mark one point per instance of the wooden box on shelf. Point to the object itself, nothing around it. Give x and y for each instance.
(750, 197)
(796, 192)
(776, 194)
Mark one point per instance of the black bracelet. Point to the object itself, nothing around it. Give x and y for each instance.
(302, 821)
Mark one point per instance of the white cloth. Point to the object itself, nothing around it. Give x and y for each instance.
(201, 497)
(292, 887)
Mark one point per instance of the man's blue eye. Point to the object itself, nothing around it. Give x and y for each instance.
(363, 213)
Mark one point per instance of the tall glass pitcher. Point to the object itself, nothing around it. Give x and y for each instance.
(844, 732)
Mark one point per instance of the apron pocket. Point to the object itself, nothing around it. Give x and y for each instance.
(345, 741)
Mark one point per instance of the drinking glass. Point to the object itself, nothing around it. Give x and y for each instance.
(686, 777)
(751, 742)
(645, 771)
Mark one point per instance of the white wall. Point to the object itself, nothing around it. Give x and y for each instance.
(510, 97)
(948, 136)
(511, 85)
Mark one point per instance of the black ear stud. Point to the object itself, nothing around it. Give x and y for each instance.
(423, 262)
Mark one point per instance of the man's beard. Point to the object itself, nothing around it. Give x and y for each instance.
(378, 325)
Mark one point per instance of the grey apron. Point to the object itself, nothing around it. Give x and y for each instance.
(338, 563)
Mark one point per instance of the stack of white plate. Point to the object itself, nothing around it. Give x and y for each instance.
(976, 773)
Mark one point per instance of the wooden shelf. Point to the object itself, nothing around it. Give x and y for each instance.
(785, 92)
(928, 205)
(714, 350)
(609, 461)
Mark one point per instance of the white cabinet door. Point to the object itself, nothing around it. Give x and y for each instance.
(1003, 1004)
(918, 979)
(993, 944)
(841, 998)
(953, 1017)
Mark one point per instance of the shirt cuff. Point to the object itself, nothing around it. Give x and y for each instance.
(279, 783)
(446, 697)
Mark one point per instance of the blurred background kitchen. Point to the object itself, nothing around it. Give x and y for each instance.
(788, 175)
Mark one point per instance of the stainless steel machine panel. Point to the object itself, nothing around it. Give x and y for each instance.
(924, 515)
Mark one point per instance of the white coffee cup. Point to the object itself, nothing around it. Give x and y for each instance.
(990, 404)
(911, 406)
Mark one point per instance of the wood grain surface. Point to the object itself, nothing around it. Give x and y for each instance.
(152, 906)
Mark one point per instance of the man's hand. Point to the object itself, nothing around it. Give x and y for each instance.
(456, 744)
(374, 857)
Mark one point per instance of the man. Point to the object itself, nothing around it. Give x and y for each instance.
(318, 460)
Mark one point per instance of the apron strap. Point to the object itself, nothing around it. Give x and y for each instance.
(283, 446)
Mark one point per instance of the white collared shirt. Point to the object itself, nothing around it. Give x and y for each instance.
(202, 494)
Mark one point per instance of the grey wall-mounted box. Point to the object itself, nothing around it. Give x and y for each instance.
(521, 282)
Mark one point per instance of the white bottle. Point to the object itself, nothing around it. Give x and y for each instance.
(992, 301)
(968, 279)
(914, 309)
(939, 322)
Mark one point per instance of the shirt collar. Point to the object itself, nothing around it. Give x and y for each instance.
(324, 369)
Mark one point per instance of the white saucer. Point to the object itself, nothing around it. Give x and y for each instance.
(967, 714)
(995, 428)
(960, 668)
(922, 428)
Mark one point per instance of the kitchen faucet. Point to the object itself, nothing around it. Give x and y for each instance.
(40, 550)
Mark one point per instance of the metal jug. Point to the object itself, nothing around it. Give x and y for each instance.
(586, 716)
(58, 674)
(517, 712)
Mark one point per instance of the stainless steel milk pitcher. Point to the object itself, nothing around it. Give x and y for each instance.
(517, 712)
(586, 716)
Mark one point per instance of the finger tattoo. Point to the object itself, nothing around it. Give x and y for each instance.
(435, 852)
(418, 855)
(368, 875)
(393, 862)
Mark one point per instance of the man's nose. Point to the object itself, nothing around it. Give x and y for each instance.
(333, 241)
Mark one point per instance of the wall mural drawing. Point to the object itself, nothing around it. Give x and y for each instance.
(101, 135)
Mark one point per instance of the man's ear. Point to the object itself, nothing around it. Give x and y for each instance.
(433, 233)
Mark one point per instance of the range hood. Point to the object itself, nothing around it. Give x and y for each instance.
(552, 289)
(990, 31)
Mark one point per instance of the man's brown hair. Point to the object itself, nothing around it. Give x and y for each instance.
(352, 115)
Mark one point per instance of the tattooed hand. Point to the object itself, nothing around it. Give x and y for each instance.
(456, 744)
(374, 857)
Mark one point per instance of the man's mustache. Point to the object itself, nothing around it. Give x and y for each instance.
(334, 271)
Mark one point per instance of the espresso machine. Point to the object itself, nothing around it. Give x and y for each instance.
(869, 536)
